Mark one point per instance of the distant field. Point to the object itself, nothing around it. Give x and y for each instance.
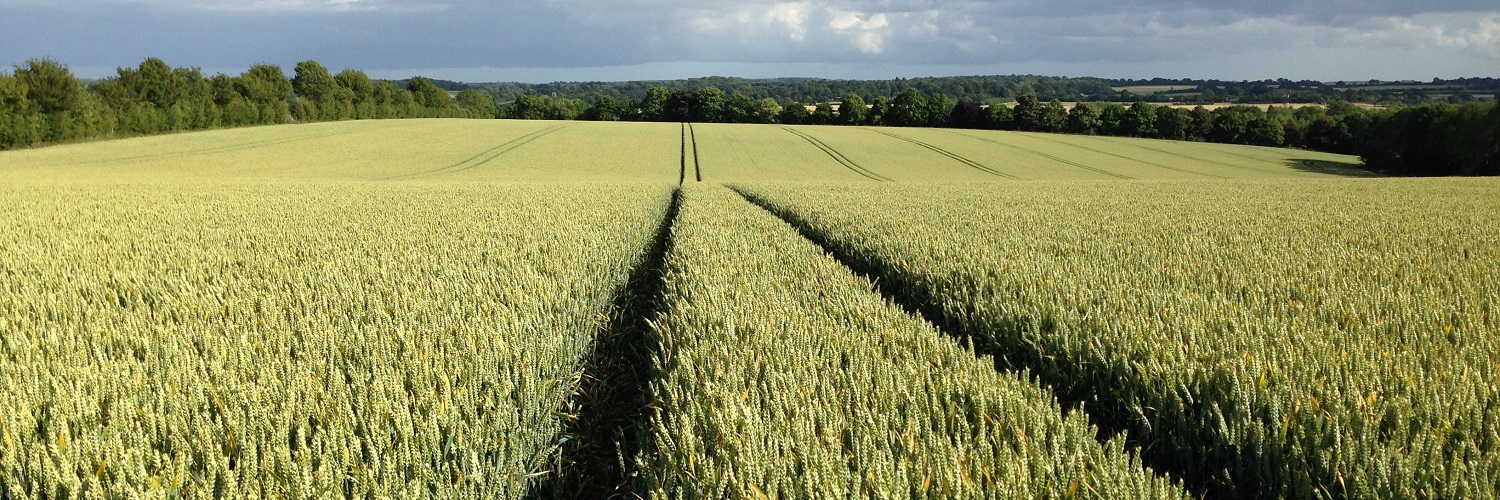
(535, 309)
(386, 150)
(1152, 89)
(539, 151)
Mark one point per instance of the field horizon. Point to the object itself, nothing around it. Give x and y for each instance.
(459, 149)
(560, 309)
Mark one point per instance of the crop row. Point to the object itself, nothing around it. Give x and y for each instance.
(782, 374)
(299, 340)
(1295, 339)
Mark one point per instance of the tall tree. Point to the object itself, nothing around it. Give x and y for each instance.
(908, 109)
(680, 106)
(939, 109)
(1172, 123)
(710, 106)
(1083, 119)
(1028, 113)
(13, 95)
(358, 83)
(853, 111)
(741, 108)
(1140, 120)
(766, 110)
(794, 113)
(50, 87)
(426, 93)
(1002, 117)
(1201, 124)
(14, 107)
(653, 107)
(481, 103)
(264, 84)
(154, 83)
(1053, 117)
(606, 109)
(967, 114)
(313, 81)
(878, 110)
(822, 114)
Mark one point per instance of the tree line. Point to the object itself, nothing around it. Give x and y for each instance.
(985, 89)
(1283, 90)
(42, 102)
(1436, 138)
(1008, 88)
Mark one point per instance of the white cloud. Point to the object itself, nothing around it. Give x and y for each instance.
(1464, 32)
(791, 15)
(865, 32)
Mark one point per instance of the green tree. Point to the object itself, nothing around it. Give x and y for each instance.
(1001, 117)
(908, 109)
(741, 108)
(606, 109)
(318, 94)
(266, 87)
(939, 109)
(823, 114)
(1053, 117)
(481, 103)
(1201, 124)
(544, 107)
(50, 87)
(878, 111)
(1230, 126)
(426, 93)
(385, 92)
(1265, 131)
(1112, 119)
(1139, 120)
(710, 106)
(528, 107)
(853, 111)
(313, 81)
(14, 108)
(154, 83)
(767, 110)
(359, 85)
(265, 83)
(653, 107)
(794, 113)
(1172, 123)
(1084, 119)
(1028, 112)
(13, 95)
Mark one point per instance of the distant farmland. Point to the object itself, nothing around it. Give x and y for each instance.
(507, 309)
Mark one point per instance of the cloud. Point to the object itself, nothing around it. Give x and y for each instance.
(865, 32)
(317, 6)
(1480, 33)
(1000, 34)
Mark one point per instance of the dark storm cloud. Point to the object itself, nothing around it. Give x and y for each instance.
(376, 34)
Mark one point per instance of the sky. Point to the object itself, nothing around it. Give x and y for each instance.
(614, 40)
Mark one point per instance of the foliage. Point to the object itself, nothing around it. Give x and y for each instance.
(426, 93)
(1434, 139)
